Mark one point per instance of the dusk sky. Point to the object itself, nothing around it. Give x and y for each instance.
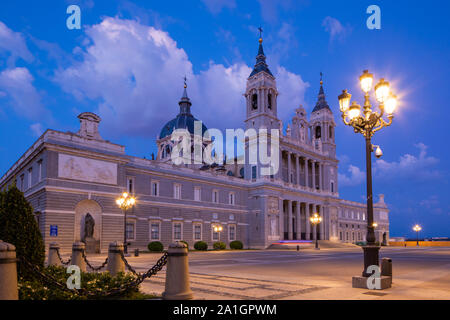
(128, 60)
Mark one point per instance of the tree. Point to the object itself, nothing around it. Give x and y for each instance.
(19, 227)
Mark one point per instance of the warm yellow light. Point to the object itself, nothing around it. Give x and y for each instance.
(374, 224)
(344, 100)
(315, 218)
(391, 104)
(124, 194)
(382, 91)
(354, 110)
(417, 228)
(366, 81)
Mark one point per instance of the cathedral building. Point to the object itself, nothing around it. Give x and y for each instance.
(68, 175)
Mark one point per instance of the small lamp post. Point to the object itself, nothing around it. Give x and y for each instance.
(315, 220)
(367, 124)
(218, 228)
(417, 229)
(125, 202)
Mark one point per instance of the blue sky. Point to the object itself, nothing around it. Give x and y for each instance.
(128, 60)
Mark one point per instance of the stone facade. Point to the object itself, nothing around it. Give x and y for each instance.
(66, 175)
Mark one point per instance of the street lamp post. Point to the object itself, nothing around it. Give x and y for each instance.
(367, 124)
(417, 228)
(315, 220)
(125, 202)
(218, 228)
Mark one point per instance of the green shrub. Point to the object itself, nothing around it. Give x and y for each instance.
(18, 226)
(219, 245)
(236, 244)
(99, 283)
(201, 245)
(155, 246)
(185, 242)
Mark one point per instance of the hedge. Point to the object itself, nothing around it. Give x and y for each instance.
(237, 245)
(201, 245)
(155, 246)
(219, 245)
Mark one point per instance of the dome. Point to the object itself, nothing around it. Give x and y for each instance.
(181, 121)
(184, 119)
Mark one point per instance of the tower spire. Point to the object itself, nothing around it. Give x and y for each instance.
(321, 102)
(261, 64)
(185, 102)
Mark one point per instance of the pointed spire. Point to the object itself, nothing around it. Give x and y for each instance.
(261, 64)
(321, 102)
(185, 102)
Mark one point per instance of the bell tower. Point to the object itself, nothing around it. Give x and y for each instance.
(261, 95)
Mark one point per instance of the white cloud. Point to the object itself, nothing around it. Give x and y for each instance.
(14, 44)
(355, 178)
(136, 72)
(37, 129)
(335, 28)
(17, 85)
(421, 167)
(215, 6)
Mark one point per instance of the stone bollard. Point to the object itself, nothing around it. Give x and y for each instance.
(386, 267)
(115, 262)
(8, 272)
(177, 274)
(53, 259)
(77, 255)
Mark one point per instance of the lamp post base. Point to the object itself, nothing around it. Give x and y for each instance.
(371, 253)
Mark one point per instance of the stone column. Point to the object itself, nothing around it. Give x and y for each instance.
(177, 274)
(115, 262)
(8, 272)
(308, 223)
(306, 173)
(281, 218)
(53, 259)
(313, 166)
(297, 167)
(322, 225)
(77, 255)
(299, 221)
(289, 166)
(320, 176)
(290, 236)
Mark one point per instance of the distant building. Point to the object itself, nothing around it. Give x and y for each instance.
(67, 175)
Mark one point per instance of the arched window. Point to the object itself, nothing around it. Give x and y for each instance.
(318, 132)
(254, 101)
(269, 104)
(331, 132)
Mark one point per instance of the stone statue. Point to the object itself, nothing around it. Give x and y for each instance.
(89, 224)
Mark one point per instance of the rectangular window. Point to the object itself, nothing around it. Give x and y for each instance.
(332, 186)
(197, 232)
(231, 198)
(130, 185)
(130, 232)
(177, 191)
(364, 216)
(340, 235)
(177, 231)
(155, 188)
(39, 170)
(197, 194)
(30, 177)
(215, 196)
(232, 232)
(215, 236)
(154, 231)
(254, 172)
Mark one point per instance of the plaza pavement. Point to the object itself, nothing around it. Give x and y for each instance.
(418, 273)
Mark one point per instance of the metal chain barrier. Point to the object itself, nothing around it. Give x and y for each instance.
(90, 266)
(150, 272)
(60, 258)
